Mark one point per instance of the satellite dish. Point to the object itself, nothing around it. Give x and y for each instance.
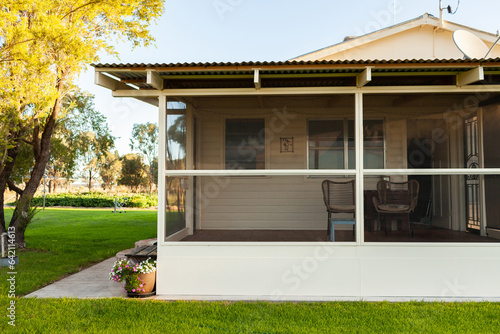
(470, 45)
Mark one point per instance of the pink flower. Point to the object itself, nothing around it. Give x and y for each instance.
(133, 290)
(140, 285)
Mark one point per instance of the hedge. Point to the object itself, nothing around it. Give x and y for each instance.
(97, 200)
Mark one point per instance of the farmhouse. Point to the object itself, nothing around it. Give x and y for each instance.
(403, 125)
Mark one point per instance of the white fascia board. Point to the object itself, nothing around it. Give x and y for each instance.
(107, 82)
(149, 100)
(262, 172)
(364, 77)
(471, 76)
(332, 172)
(256, 79)
(484, 35)
(154, 79)
(136, 93)
(432, 171)
(306, 91)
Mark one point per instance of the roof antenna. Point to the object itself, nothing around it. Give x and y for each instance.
(448, 8)
(394, 13)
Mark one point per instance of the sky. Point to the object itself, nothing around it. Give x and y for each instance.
(261, 30)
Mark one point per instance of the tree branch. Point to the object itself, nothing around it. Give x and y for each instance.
(10, 46)
(13, 187)
(80, 7)
(36, 140)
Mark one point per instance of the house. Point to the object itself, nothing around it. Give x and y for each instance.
(244, 148)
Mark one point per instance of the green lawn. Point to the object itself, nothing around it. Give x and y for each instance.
(61, 241)
(136, 316)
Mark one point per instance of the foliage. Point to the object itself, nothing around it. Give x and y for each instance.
(176, 133)
(119, 315)
(91, 137)
(109, 169)
(22, 164)
(63, 241)
(44, 45)
(97, 200)
(124, 270)
(154, 171)
(133, 172)
(145, 140)
(69, 142)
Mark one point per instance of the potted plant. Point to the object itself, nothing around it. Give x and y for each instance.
(139, 278)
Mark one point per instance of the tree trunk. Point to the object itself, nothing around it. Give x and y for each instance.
(4, 176)
(23, 212)
(90, 180)
(21, 216)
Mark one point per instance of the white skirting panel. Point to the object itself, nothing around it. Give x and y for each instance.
(323, 271)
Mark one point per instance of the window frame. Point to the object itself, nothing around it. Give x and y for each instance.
(345, 122)
(223, 153)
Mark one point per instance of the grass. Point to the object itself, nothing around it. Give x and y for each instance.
(62, 241)
(136, 316)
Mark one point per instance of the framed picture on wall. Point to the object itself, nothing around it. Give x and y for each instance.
(286, 144)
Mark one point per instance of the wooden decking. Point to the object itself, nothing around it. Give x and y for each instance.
(424, 235)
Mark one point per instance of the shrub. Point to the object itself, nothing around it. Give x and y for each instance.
(97, 200)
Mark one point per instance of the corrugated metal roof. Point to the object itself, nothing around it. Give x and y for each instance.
(332, 73)
(293, 63)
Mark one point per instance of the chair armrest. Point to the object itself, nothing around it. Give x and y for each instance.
(375, 203)
(413, 204)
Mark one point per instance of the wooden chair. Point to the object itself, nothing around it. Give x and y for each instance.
(396, 198)
(339, 198)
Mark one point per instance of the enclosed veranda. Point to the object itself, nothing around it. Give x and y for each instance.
(244, 149)
(260, 162)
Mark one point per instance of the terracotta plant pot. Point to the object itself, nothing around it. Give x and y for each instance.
(149, 281)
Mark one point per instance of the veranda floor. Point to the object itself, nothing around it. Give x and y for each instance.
(419, 235)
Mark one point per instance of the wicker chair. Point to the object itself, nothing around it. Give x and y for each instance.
(396, 198)
(339, 198)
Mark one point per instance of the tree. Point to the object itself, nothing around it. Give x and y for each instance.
(62, 161)
(145, 140)
(91, 148)
(109, 169)
(81, 120)
(133, 172)
(44, 45)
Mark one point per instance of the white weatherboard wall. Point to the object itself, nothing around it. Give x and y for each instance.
(288, 202)
(325, 271)
(275, 202)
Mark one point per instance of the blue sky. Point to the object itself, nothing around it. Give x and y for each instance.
(260, 30)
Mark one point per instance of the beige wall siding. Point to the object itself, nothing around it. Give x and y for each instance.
(422, 42)
(284, 202)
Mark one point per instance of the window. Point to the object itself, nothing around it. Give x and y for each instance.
(331, 144)
(245, 143)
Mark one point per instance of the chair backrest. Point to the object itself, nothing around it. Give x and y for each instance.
(338, 192)
(398, 192)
